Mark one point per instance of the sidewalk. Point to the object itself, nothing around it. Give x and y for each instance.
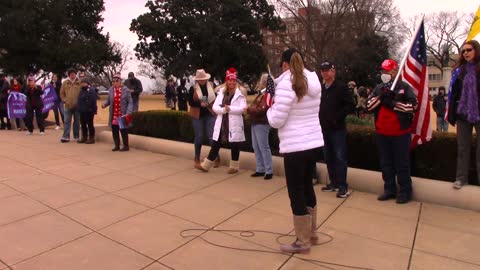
(71, 206)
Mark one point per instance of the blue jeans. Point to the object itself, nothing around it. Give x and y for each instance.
(336, 156)
(203, 125)
(68, 113)
(394, 154)
(261, 147)
(442, 124)
(135, 104)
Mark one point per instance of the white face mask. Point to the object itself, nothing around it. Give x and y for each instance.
(386, 78)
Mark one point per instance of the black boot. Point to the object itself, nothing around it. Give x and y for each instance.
(125, 147)
(116, 141)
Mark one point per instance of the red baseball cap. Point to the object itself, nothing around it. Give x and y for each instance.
(389, 65)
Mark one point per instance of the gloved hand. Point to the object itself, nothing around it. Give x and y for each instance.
(387, 99)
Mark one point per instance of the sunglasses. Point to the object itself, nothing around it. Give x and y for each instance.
(467, 50)
(116, 80)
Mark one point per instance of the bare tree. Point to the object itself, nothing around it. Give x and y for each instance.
(445, 33)
(105, 78)
(147, 69)
(340, 30)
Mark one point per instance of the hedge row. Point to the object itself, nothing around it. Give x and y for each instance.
(434, 160)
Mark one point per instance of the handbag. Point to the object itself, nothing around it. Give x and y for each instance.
(258, 108)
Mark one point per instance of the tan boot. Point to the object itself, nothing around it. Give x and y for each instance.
(234, 166)
(205, 165)
(216, 164)
(314, 236)
(303, 231)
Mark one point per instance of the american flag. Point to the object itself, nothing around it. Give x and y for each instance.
(269, 91)
(415, 73)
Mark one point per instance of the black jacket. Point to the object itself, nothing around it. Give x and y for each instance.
(402, 94)
(440, 105)
(335, 105)
(4, 86)
(455, 98)
(34, 98)
(182, 93)
(134, 84)
(87, 100)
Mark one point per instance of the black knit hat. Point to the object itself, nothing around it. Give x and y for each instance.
(287, 55)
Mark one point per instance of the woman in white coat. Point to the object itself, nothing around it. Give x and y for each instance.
(295, 114)
(229, 107)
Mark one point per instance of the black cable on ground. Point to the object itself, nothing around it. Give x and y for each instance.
(251, 233)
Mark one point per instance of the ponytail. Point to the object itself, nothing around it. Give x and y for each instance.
(299, 81)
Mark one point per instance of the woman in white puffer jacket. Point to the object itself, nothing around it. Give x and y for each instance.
(295, 114)
(229, 107)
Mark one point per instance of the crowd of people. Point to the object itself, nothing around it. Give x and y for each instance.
(76, 106)
(309, 114)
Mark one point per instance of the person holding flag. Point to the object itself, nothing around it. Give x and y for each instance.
(464, 108)
(121, 104)
(295, 114)
(260, 128)
(393, 111)
(34, 105)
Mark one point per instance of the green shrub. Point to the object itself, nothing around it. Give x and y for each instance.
(435, 160)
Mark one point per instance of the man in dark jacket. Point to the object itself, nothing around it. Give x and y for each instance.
(135, 87)
(182, 93)
(87, 107)
(394, 111)
(336, 103)
(4, 87)
(34, 105)
(440, 106)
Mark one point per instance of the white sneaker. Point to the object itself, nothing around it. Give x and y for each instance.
(57, 127)
(29, 133)
(42, 133)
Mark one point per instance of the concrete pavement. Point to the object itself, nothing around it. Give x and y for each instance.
(72, 206)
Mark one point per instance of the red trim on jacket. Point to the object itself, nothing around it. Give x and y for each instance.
(387, 123)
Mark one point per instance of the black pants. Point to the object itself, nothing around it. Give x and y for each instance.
(4, 123)
(395, 163)
(299, 173)
(116, 131)
(29, 118)
(182, 106)
(86, 122)
(235, 151)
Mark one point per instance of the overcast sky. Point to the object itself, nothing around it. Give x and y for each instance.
(119, 14)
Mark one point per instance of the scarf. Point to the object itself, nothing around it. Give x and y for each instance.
(468, 104)
(225, 130)
(211, 92)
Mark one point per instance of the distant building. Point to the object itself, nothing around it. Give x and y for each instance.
(437, 77)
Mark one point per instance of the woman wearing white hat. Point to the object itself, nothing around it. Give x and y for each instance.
(200, 98)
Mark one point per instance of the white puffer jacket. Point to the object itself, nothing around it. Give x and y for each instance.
(297, 121)
(235, 116)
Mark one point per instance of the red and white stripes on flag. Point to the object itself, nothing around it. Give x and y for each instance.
(270, 91)
(415, 73)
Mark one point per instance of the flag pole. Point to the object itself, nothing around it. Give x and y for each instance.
(406, 55)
